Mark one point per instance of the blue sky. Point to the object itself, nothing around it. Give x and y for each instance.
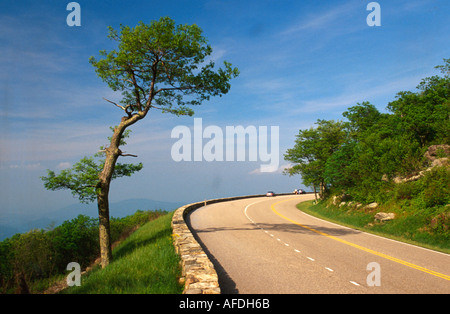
(299, 61)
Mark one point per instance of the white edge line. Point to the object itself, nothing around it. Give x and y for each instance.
(246, 207)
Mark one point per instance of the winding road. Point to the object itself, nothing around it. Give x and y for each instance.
(267, 246)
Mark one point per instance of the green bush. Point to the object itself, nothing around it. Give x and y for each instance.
(406, 190)
(436, 187)
(76, 241)
(33, 254)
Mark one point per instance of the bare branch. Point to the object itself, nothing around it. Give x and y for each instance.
(121, 107)
(121, 153)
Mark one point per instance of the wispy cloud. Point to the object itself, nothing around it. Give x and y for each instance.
(217, 54)
(321, 20)
(63, 165)
(57, 141)
(25, 166)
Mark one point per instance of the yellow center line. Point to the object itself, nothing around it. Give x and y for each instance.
(434, 273)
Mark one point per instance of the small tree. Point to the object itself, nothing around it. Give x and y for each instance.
(159, 66)
(311, 151)
(82, 179)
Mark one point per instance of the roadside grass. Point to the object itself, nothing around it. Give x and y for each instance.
(144, 263)
(406, 227)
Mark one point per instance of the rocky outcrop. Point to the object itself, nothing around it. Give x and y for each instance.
(436, 156)
(436, 152)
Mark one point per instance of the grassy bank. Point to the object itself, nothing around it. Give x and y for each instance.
(35, 261)
(143, 263)
(413, 228)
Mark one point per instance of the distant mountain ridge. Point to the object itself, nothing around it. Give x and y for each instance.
(21, 224)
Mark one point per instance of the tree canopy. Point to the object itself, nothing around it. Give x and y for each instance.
(162, 65)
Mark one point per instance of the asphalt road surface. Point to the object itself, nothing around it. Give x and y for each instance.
(266, 245)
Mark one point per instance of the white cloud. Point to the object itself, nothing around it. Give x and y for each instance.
(217, 54)
(25, 166)
(279, 170)
(63, 165)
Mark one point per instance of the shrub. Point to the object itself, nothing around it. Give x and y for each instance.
(32, 255)
(406, 190)
(436, 187)
(76, 241)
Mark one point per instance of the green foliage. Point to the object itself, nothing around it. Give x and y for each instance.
(33, 250)
(40, 254)
(425, 114)
(312, 149)
(436, 190)
(361, 117)
(338, 169)
(429, 193)
(76, 240)
(406, 190)
(82, 178)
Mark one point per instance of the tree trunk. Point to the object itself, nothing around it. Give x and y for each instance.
(104, 226)
(322, 190)
(112, 154)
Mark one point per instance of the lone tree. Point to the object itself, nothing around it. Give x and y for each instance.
(311, 151)
(159, 66)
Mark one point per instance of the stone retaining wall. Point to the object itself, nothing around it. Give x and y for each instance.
(198, 272)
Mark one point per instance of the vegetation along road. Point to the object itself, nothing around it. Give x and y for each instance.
(269, 246)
